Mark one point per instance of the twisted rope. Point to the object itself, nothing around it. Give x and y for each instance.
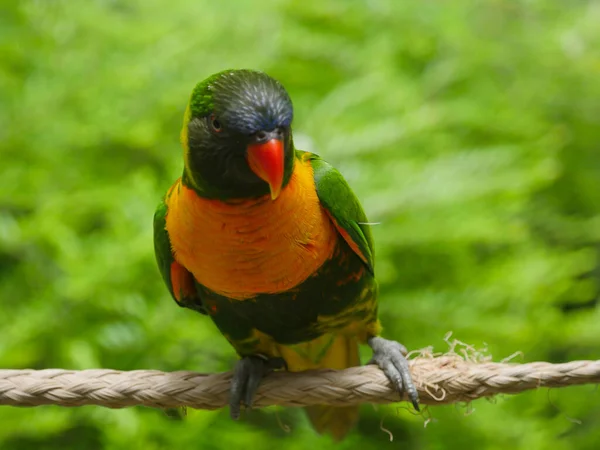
(443, 379)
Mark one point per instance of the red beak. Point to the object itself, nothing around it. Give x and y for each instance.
(266, 161)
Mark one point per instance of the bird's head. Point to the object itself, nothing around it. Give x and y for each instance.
(237, 136)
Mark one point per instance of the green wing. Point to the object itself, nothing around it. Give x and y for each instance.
(179, 281)
(343, 206)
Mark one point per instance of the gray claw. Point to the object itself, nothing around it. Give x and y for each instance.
(247, 375)
(390, 357)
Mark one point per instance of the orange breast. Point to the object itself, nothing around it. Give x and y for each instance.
(246, 247)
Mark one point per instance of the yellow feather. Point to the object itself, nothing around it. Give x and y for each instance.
(332, 352)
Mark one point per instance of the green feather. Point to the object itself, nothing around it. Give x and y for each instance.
(338, 198)
(164, 258)
(201, 100)
(162, 245)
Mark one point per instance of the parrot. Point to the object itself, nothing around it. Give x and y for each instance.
(272, 244)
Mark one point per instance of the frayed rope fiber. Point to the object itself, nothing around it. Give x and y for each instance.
(442, 379)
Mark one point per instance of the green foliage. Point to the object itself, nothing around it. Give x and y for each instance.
(470, 130)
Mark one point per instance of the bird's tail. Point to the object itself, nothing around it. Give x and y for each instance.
(331, 352)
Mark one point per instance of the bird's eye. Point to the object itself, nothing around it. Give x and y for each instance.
(215, 124)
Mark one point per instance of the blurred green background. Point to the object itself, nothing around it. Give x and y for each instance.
(470, 130)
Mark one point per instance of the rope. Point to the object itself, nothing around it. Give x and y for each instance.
(443, 379)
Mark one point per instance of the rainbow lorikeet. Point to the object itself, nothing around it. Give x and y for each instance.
(271, 243)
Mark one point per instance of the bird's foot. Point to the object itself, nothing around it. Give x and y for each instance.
(248, 373)
(390, 356)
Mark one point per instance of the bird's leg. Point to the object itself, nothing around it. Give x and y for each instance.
(390, 357)
(247, 374)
